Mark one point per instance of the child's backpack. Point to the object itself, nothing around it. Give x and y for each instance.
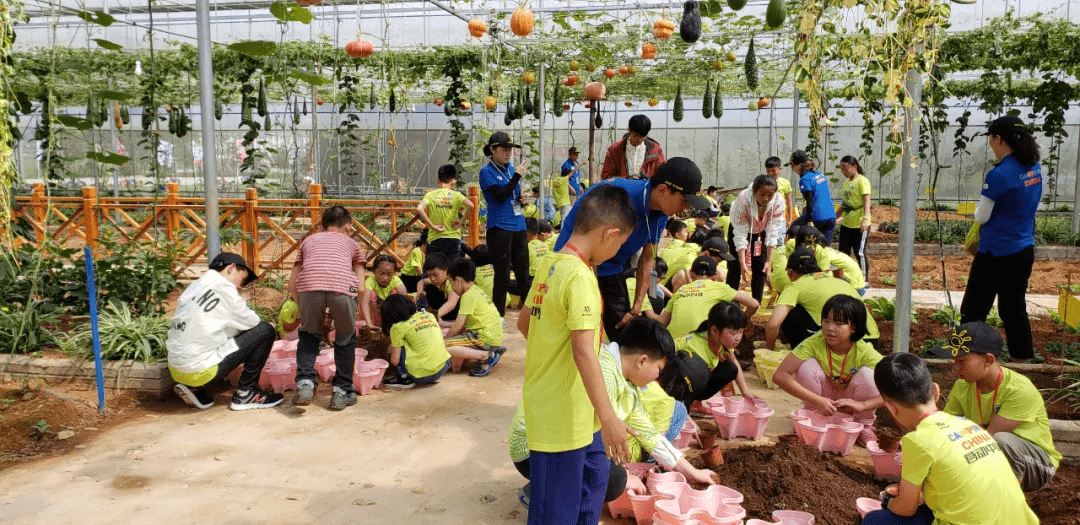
(684, 376)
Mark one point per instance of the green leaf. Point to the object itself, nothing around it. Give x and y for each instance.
(886, 167)
(22, 102)
(111, 46)
(78, 123)
(100, 18)
(314, 80)
(109, 94)
(287, 13)
(254, 48)
(108, 158)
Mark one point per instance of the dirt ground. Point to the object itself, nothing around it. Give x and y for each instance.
(1046, 276)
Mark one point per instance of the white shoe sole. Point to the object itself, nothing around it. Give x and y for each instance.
(189, 397)
(254, 406)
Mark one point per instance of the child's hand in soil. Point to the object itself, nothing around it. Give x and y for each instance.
(701, 477)
(849, 405)
(634, 483)
(824, 405)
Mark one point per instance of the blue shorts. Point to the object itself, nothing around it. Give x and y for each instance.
(404, 372)
(923, 516)
(678, 419)
(568, 487)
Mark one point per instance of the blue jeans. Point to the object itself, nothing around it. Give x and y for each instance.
(404, 372)
(568, 487)
(923, 516)
(678, 419)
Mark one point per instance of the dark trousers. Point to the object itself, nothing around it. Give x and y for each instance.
(826, 227)
(798, 325)
(307, 349)
(253, 347)
(1006, 278)
(410, 282)
(853, 243)
(449, 247)
(923, 516)
(757, 265)
(616, 301)
(616, 484)
(436, 298)
(568, 487)
(508, 250)
(724, 373)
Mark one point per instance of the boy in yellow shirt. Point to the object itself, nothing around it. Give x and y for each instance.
(690, 305)
(950, 462)
(561, 191)
(413, 271)
(476, 313)
(444, 211)
(715, 247)
(537, 248)
(1003, 402)
(783, 186)
(436, 291)
(563, 396)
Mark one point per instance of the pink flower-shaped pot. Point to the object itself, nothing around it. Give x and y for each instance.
(867, 505)
(740, 417)
(786, 517)
(836, 433)
(689, 432)
(715, 505)
(886, 464)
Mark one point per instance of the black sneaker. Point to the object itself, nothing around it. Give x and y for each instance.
(305, 392)
(255, 398)
(196, 397)
(399, 382)
(341, 399)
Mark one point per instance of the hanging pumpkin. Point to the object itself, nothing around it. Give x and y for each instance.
(359, 48)
(521, 21)
(752, 106)
(528, 77)
(574, 65)
(466, 105)
(653, 102)
(609, 73)
(624, 70)
(628, 104)
(571, 81)
(763, 102)
(477, 27)
(590, 67)
(648, 50)
(663, 28)
(565, 107)
(595, 90)
(690, 28)
(438, 101)
(490, 103)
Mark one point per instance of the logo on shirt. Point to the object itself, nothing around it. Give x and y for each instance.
(587, 310)
(353, 289)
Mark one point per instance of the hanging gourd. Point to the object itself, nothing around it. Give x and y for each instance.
(595, 90)
(707, 102)
(262, 99)
(624, 70)
(509, 118)
(775, 14)
(609, 73)
(763, 102)
(521, 21)
(266, 123)
(663, 28)
(718, 103)
(172, 121)
(574, 65)
(117, 121)
(556, 101)
(393, 100)
(653, 102)
(448, 108)
(466, 105)
(148, 115)
(371, 100)
(359, 48)
(528, 102)
(752, 106)
(245, 110)
(571, 81)
(125, 115)
(677, 110)
(536, 103)
(477, 27)
(519, 106)
(648, 50)
(218, 110)
(599, 121)
(736, 4)
(690, 27)
(295, 114)
(438, 101)
(750, 67)
(102, 113)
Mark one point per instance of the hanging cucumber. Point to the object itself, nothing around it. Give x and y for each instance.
(707, 102)
(677, 111)
(393, 101)
(556, 101)
(172, 120)
(296, 114)
(102, 112)
(90, 111)
(509, 118)
(736, 4)
(305, 107)
(125, 115)
(750, 67)
(371, 100)
(262, 99)
(147, 118)
(219, 111)
(184, 124)
(718, 103)
(775, 13)
(690, 27)
(528, 102)
(519, 106)
(536, 103)
(266, 123)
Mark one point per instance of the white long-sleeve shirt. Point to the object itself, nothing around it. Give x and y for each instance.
(744, 219)
(208, 316)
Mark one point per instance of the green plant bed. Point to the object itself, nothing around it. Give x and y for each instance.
(1048, 231)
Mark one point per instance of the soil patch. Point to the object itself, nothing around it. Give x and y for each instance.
(1046, 276)
(1056, 504)
(793, 476)
(892, 214)
(376, 344)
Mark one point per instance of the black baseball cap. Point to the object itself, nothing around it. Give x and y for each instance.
(683, 176)
(975, 337)
(224, 259)
(799, 256)
(799, 157)
(717, 247)
(499, 139)
(703, 265)
(1005, 126)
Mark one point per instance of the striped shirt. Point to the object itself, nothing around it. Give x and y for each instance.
(326, 262)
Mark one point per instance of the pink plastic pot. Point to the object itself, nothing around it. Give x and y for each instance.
(293, 335)
(642, 470)
(699, 407)
(324, 365)
(621, 507)
(234, 377)
(836, 433)
(689, 432)
(279, 363)
(281, 376)
(662, 478)
(374, 365)
(739, 417)
(786, 517)
(364, 382)
(887, 465)
(867, 505)
(716, 505)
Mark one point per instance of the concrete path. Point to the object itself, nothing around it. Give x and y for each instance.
(1036, 304)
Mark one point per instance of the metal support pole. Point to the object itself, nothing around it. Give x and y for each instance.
(1076, 190)
(209, 140)
(540, 150)
(592, 135)
(909, 191)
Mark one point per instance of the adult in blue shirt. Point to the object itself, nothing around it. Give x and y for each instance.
(574, 168)
(670, 191)
(814, 187)
(506, 237)
(1006, 210)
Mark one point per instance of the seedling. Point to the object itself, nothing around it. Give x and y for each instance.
(39, 430)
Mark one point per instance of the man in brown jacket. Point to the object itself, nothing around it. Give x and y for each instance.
(634, 156)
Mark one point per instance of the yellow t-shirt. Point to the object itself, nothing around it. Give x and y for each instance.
(691, 227)
(965, 478)
(724, 223)
(779, 278)
(483, 316)
(537, 251)
(382, 292)
(843, 366)
(413, 264)
(560, 189)
(1017, 399)
(814, 290)
(783, 187)
(631, 289)
(485, 278)
(852, 202)
(852, 273)
(659, 406)
(698, 343)
(690, 305)
(564, 297)
(421, 337)
(199, 378)
(673, 247)
(550, 243)
(443, 207)
(530, 210)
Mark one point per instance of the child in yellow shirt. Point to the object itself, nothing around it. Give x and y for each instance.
(537, 248)
(714, 340)
(381, 283)
(436, 291)
(690, 305)
(563, 396)
(476, 313)
(413, 271)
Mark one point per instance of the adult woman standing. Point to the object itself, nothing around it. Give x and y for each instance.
(855, 210)
(757, 224)
(814, 187)
(506, 238)
(1002, 266)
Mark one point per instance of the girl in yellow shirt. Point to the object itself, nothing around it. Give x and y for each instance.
(413, 271)
(715, 341)
(381, 283)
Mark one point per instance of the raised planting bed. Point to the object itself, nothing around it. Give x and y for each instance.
(152, 378)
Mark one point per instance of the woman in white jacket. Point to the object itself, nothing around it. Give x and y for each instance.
(757, 227)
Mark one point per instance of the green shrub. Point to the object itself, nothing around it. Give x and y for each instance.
(1066, 350)
(884, 308)
(123, 336)
(946, 316)
(22, 330)
(1055, 230)
(934, 343)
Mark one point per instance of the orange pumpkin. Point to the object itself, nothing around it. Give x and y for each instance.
(566, 107)
(628, 104)
(610, 73)
(466, 105)
(588, 105)
(359, 48)
(648, 50)
(625, 70)
(528, 77)
(320, 101)
(663, 28)
(489, 103)
(438, 101)
(653, 102)
(763, 102)
(477, 27)
(571, 81)
(521, 21)
(595, 90)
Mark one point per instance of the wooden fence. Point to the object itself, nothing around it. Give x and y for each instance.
(270, 230)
